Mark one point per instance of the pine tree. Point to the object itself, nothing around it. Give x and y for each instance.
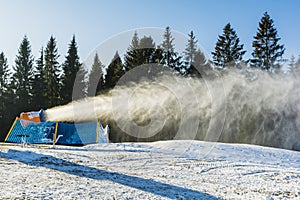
(141, 51)
(131, 58)
(191, 48)
(23, 75)
(52, 73)
(146, 50)
(80, 84)
(4, 73)
(8, 110)
(199, 66)
(228, 51)
(115, 71)
(294, 66)
(168, 46)
(292, 63)
(170, 57)
(39, 85)
(189, 53)
(96, 81)
(158, 56)
(267, 53)
(4, 85)
(72, 68)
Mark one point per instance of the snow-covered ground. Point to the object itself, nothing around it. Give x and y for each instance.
(159, 170)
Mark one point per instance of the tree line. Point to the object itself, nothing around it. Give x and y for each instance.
(33, 84)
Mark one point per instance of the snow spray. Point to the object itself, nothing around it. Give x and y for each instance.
(241, 106)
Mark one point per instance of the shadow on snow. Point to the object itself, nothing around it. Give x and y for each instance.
(146, 185)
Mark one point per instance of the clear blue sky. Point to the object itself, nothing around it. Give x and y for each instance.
(94, 21)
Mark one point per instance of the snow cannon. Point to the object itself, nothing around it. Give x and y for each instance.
(34, 116)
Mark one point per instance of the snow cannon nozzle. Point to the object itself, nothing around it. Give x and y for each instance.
(35, 116)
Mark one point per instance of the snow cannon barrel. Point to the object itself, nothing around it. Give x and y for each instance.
(35, 116)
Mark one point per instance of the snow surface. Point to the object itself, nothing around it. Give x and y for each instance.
(158, 170)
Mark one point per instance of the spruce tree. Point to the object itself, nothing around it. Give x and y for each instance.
(131, 57)
(96, 81)
(267, 53)
(158, 56)
(8, 110)
(4, 85)
(228, 51)
(4, 73)
(199, 65)
(115, 71)
(170, 57)
(52, 73)
(146, 50)
(168, 46)
(72, 68)
(23, 75)
(292, 63)
(294, 66)
(189, 53)
(191, 48)
(39, 84)
(141, 51)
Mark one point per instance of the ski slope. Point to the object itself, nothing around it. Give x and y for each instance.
(158, 170)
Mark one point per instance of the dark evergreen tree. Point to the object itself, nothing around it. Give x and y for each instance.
(294, 66)
(23, 76)
(8, 111)
(4, 86)
(189, 53)
(52, 74)
(267, 53)
(39, 84)
(168, 46)
(191, 48)
(170, 56)
(146, 50)
(228, 51)
(199, 66)
(96, 81)
(115, 71)
(80, 84)
(141, 51)
(4, 74)
(158, 56)
(131, 58)
(72, 68)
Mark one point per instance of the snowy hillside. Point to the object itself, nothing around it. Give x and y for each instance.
(159, 170)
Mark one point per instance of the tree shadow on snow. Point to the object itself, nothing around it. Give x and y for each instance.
(146, 185)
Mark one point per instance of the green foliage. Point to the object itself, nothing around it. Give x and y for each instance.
(191, 48)
(4, 73)
(132, 57)
(228, 51)
(96, 80)
(141, 51)
(115, 71)
(146, 50)
(39, 85)
(52, 72)
(23, 76)
(170, 57)
(199, 66)
(190, 53)
(267, 53)
(72, 68)
(4, 85)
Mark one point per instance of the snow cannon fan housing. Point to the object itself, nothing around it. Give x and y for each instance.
(35, 116)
